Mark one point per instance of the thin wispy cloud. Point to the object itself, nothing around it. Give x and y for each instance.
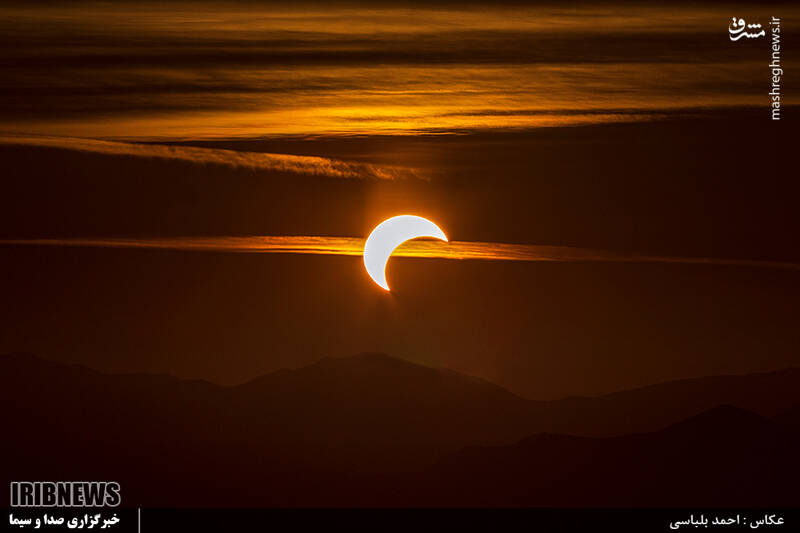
(431, 249)
(297, 164)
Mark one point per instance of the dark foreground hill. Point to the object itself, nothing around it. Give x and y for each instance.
(720, 458)
(369, 430)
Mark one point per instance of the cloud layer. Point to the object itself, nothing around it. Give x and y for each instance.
(309, 165)
(354, 246)
(205, 70)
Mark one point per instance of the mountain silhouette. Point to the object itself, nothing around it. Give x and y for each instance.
(720, 458)
(367, 430)
(790, 416)
(656, 406)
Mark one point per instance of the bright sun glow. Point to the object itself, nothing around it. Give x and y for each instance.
(390, 234)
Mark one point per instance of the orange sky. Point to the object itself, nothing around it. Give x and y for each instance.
(143, 71)
(293, 132)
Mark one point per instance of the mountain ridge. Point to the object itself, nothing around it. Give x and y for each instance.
(791, 372)
(347, 430)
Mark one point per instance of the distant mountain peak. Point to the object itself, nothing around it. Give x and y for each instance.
(373, 358)
(723, 419)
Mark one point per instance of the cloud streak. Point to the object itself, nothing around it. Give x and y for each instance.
(296, 164)
(431, 249)
(173, 70)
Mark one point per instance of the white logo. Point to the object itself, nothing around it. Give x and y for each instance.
(736, 30)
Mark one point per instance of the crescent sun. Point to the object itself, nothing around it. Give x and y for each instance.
(390, 234)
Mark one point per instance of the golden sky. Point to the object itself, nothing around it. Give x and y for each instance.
(178, 71)
(269, 141)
